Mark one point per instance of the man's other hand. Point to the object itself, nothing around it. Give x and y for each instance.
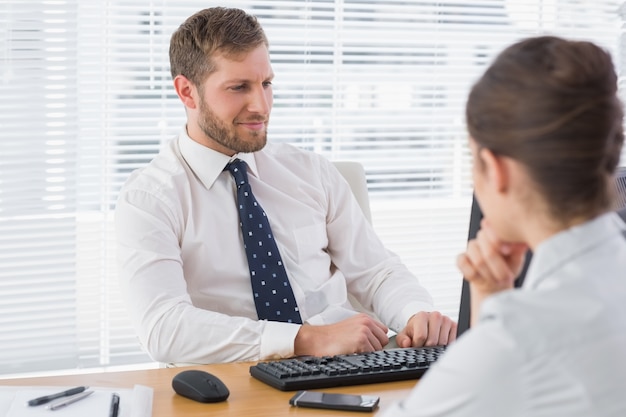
(427, 329)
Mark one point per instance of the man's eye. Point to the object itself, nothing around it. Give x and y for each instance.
(267, 84)
(238, 87)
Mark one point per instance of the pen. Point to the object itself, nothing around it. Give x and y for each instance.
(67, 401)
(115, 405)
(48, 398)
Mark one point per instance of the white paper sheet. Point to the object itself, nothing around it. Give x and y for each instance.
(136, 402)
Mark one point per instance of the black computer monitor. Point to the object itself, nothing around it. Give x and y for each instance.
(475, 217)
(620, 191)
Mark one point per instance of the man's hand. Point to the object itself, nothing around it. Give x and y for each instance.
(359, 333)
(427, 329)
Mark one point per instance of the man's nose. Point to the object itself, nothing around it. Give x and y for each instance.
(260, 101)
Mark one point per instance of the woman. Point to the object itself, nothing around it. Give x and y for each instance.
(545, 127)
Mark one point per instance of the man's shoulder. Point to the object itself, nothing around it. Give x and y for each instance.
(282, 149)
(290, 155)
(161, 172)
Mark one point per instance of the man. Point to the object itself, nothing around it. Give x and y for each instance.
(184, 263)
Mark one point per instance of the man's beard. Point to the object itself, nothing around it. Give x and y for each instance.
(226, 136)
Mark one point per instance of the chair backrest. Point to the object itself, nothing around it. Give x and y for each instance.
(354, 173)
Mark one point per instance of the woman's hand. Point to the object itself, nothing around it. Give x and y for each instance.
(490, 265)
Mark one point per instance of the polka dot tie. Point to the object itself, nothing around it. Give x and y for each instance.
(273, 295)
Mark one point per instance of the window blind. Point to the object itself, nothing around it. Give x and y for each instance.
(86, 97)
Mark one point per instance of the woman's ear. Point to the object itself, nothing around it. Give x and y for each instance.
(186, 91)
(496, 170)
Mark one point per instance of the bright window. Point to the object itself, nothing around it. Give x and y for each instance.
(86, 97)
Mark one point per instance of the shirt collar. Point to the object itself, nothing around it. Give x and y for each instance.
(570, 244)
(208, 164)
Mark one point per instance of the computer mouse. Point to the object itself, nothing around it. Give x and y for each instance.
(200, 386)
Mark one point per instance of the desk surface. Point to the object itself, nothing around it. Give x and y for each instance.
(248, 396)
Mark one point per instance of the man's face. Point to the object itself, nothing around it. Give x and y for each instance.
(235, 103)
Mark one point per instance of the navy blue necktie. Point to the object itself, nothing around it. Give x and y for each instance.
(273, 295)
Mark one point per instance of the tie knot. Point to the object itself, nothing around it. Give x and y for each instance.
(239, 171)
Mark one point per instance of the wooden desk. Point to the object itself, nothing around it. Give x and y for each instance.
(248, 396)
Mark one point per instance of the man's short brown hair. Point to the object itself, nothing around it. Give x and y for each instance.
(227, 31)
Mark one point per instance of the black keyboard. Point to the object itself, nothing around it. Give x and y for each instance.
(309, 372)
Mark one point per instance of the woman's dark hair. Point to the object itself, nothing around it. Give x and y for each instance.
(552, 105)
(228, 31)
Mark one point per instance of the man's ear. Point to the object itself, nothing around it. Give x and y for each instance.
(496, 170)
(186, 91)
